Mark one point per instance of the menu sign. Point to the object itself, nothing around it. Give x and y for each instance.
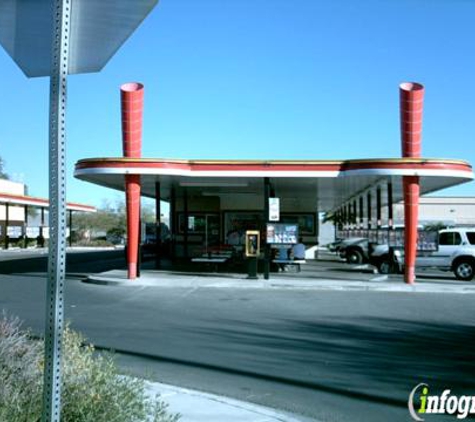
(282, 234)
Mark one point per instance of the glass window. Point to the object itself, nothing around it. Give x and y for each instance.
(457, 239)
(471, 237)
(305, 221)
(450, 238)
(197, 223)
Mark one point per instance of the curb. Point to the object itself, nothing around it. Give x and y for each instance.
(262, 413)
(378, 284)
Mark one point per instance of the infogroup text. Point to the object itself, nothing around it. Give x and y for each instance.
(420, 403)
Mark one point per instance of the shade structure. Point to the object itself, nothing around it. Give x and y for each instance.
(6, 198)
(331, 182)
(98, 29)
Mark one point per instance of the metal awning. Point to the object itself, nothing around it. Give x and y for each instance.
(11, 199)
(330, 183)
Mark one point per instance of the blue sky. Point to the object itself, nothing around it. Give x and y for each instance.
(306, 79)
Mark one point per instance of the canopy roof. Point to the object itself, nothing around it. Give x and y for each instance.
(12, 199)
(331, 182)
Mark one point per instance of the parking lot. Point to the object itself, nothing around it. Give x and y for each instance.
(330, 266)
(334, 342)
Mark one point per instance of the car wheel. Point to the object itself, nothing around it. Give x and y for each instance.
(385, 266)
(464, 270)
(354, 257)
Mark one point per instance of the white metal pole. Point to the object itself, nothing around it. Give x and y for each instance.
(57, 215)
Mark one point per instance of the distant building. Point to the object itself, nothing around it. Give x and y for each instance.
(24, 217)
(451, 211)
(16, 212)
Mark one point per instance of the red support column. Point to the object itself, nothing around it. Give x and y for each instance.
(132, 109)
(411, 211)
(411, 103)
(132, 197)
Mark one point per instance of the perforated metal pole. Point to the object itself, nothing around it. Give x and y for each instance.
(57, 215)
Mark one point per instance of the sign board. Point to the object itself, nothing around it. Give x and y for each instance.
(14, 232)
(427, 240)
(282, 234)
(56, 38)
(99, 29)
(32, 232)
(274, 209)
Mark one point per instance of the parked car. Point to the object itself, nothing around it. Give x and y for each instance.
(456, 253)
(355, 250)
(388, 260)
(335, 246)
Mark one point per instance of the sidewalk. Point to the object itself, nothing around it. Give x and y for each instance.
(195, 406)
(173, 279)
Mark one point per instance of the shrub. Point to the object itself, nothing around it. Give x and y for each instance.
(20, 373)
(93, 243)
(93, 390)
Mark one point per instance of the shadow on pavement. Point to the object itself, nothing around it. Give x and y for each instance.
(374, 359)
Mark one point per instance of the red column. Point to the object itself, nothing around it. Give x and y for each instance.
(411, 211)
(132, 108)
(411, 103)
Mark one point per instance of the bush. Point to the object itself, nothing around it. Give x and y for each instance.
(20, 373)
(92, 391)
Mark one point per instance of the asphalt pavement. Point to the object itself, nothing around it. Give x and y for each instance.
(311, 353)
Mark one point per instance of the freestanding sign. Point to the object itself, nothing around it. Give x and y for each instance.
(274, 209)
(14, 232)
(97, 30)
(56, 38)
(32, 232)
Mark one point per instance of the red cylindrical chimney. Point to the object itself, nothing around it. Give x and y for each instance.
(411, 101)
(132, 109)
(131, 95)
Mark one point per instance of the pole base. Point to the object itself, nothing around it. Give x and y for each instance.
(252, 269)
(132, 271)
(410, 275)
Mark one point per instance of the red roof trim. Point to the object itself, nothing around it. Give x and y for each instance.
(19, 199)
(276, 166)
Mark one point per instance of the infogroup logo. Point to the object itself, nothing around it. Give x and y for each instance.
(420, 403)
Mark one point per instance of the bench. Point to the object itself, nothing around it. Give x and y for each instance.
(290, 262)
(213, 260)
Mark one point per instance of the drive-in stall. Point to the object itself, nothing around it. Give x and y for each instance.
(211, 199)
